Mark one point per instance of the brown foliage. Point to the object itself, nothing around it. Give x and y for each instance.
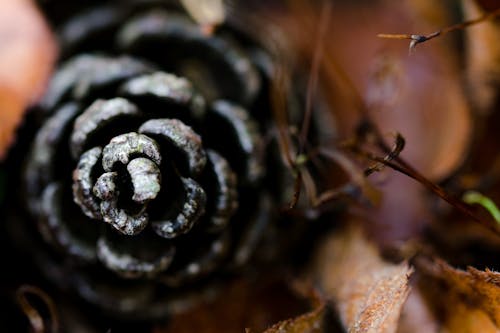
(369, 292)
(468, 301)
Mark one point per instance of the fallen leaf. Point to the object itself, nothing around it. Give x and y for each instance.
(482, 58)
(311, 322)
(368, 291)
(468, 301)
(27, 55)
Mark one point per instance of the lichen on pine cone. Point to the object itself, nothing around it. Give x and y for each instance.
(146, 175)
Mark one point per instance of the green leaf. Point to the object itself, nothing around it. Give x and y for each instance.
(473, 197)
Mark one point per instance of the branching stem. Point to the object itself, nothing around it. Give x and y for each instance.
(419, 38)
(401, 166)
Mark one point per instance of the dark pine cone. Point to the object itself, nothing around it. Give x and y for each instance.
(146, 175)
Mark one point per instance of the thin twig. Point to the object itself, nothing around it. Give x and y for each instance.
(419, 38)
(314, 74)
(311, 89)
(441, 192)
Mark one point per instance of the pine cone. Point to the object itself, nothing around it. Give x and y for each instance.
(146, 176)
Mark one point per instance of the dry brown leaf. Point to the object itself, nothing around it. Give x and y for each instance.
(27, 54)
(469, 301)
(483, 57)
(311, 322)
(368, 291)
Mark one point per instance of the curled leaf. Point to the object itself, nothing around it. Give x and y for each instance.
(369, 292)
